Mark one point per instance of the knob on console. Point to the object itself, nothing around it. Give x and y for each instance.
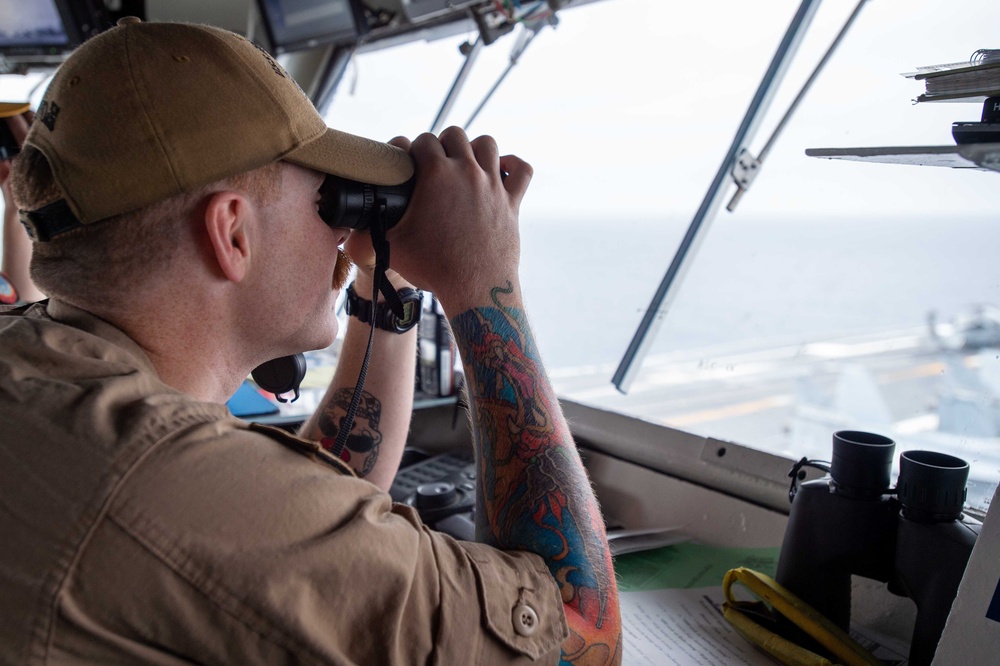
(435, 495)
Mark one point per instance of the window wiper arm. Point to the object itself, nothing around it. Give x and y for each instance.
(670, 284)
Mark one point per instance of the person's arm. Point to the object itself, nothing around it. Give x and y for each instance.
(16, 243)
(375, 445)
(533, 492)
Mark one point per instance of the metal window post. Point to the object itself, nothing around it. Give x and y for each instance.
(698, 229)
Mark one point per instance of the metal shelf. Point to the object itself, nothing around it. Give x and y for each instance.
(980, 156)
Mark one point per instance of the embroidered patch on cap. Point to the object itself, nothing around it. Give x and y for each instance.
(47, 113)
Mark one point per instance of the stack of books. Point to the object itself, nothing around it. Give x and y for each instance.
(970, 81)
(976, 80)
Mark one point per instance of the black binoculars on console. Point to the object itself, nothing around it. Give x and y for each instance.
(913, 537)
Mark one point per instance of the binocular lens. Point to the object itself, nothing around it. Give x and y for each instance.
(931, 485)
(862, 463)
(356, 205)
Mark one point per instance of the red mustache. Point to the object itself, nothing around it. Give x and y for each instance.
(342, 270)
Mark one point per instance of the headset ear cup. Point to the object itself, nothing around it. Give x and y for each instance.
(281, 375)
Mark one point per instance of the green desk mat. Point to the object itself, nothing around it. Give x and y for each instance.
(687, 565)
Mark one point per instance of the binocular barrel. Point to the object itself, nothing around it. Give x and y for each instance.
(853, 523)
(355, 205)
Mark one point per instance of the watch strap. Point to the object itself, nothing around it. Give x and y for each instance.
(380, 315)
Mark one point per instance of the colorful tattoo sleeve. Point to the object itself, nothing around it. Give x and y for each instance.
(362, 448)
(533, 493)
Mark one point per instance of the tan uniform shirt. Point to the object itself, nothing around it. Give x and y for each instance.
(138, 525)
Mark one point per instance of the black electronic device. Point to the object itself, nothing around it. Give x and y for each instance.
(40, 30)
(442, 488)
(975, 132)
(294, 25)
(913, 537)
(987, 130)
(281, 376)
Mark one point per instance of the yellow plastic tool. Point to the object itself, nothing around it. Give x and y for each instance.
(739, 614)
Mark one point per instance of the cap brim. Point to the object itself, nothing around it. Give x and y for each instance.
(355, 158)
(9, 109)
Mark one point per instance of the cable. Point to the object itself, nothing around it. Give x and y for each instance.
(381, 264)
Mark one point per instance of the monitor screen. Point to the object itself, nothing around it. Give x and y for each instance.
(32, 27)
(300, 24)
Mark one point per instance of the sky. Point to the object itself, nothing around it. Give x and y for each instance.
(627, 107)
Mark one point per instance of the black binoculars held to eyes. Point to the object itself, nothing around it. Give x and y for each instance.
(355, 205)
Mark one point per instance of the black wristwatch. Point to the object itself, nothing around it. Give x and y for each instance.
(384, 318)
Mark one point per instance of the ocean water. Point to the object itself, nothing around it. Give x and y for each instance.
(756, 283)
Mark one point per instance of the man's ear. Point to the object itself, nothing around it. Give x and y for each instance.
(226, 215)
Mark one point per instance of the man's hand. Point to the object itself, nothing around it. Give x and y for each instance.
(459, 236)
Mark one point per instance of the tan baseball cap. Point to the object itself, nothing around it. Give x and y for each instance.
(145, 111)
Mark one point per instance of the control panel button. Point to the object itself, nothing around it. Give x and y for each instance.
(435, 495)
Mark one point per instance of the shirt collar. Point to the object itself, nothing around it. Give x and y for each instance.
(71, 315)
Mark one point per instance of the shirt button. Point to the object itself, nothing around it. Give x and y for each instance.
(525, 620)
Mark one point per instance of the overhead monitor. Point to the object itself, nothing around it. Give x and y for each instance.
(37, 29)
(294, 25)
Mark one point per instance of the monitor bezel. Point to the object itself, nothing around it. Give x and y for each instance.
(279, 46)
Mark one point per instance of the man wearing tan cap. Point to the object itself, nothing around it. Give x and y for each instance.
(171, 181)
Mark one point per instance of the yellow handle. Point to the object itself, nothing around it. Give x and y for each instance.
(784, 650)
(829, 635)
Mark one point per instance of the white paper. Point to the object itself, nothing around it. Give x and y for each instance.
(685, 627)
(682, 628)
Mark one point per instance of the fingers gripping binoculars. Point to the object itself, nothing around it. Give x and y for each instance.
(851, 522)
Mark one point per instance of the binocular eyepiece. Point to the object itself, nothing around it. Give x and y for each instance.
(355, 205)
(931, 486)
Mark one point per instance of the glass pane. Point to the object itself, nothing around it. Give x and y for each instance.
(809, 309)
